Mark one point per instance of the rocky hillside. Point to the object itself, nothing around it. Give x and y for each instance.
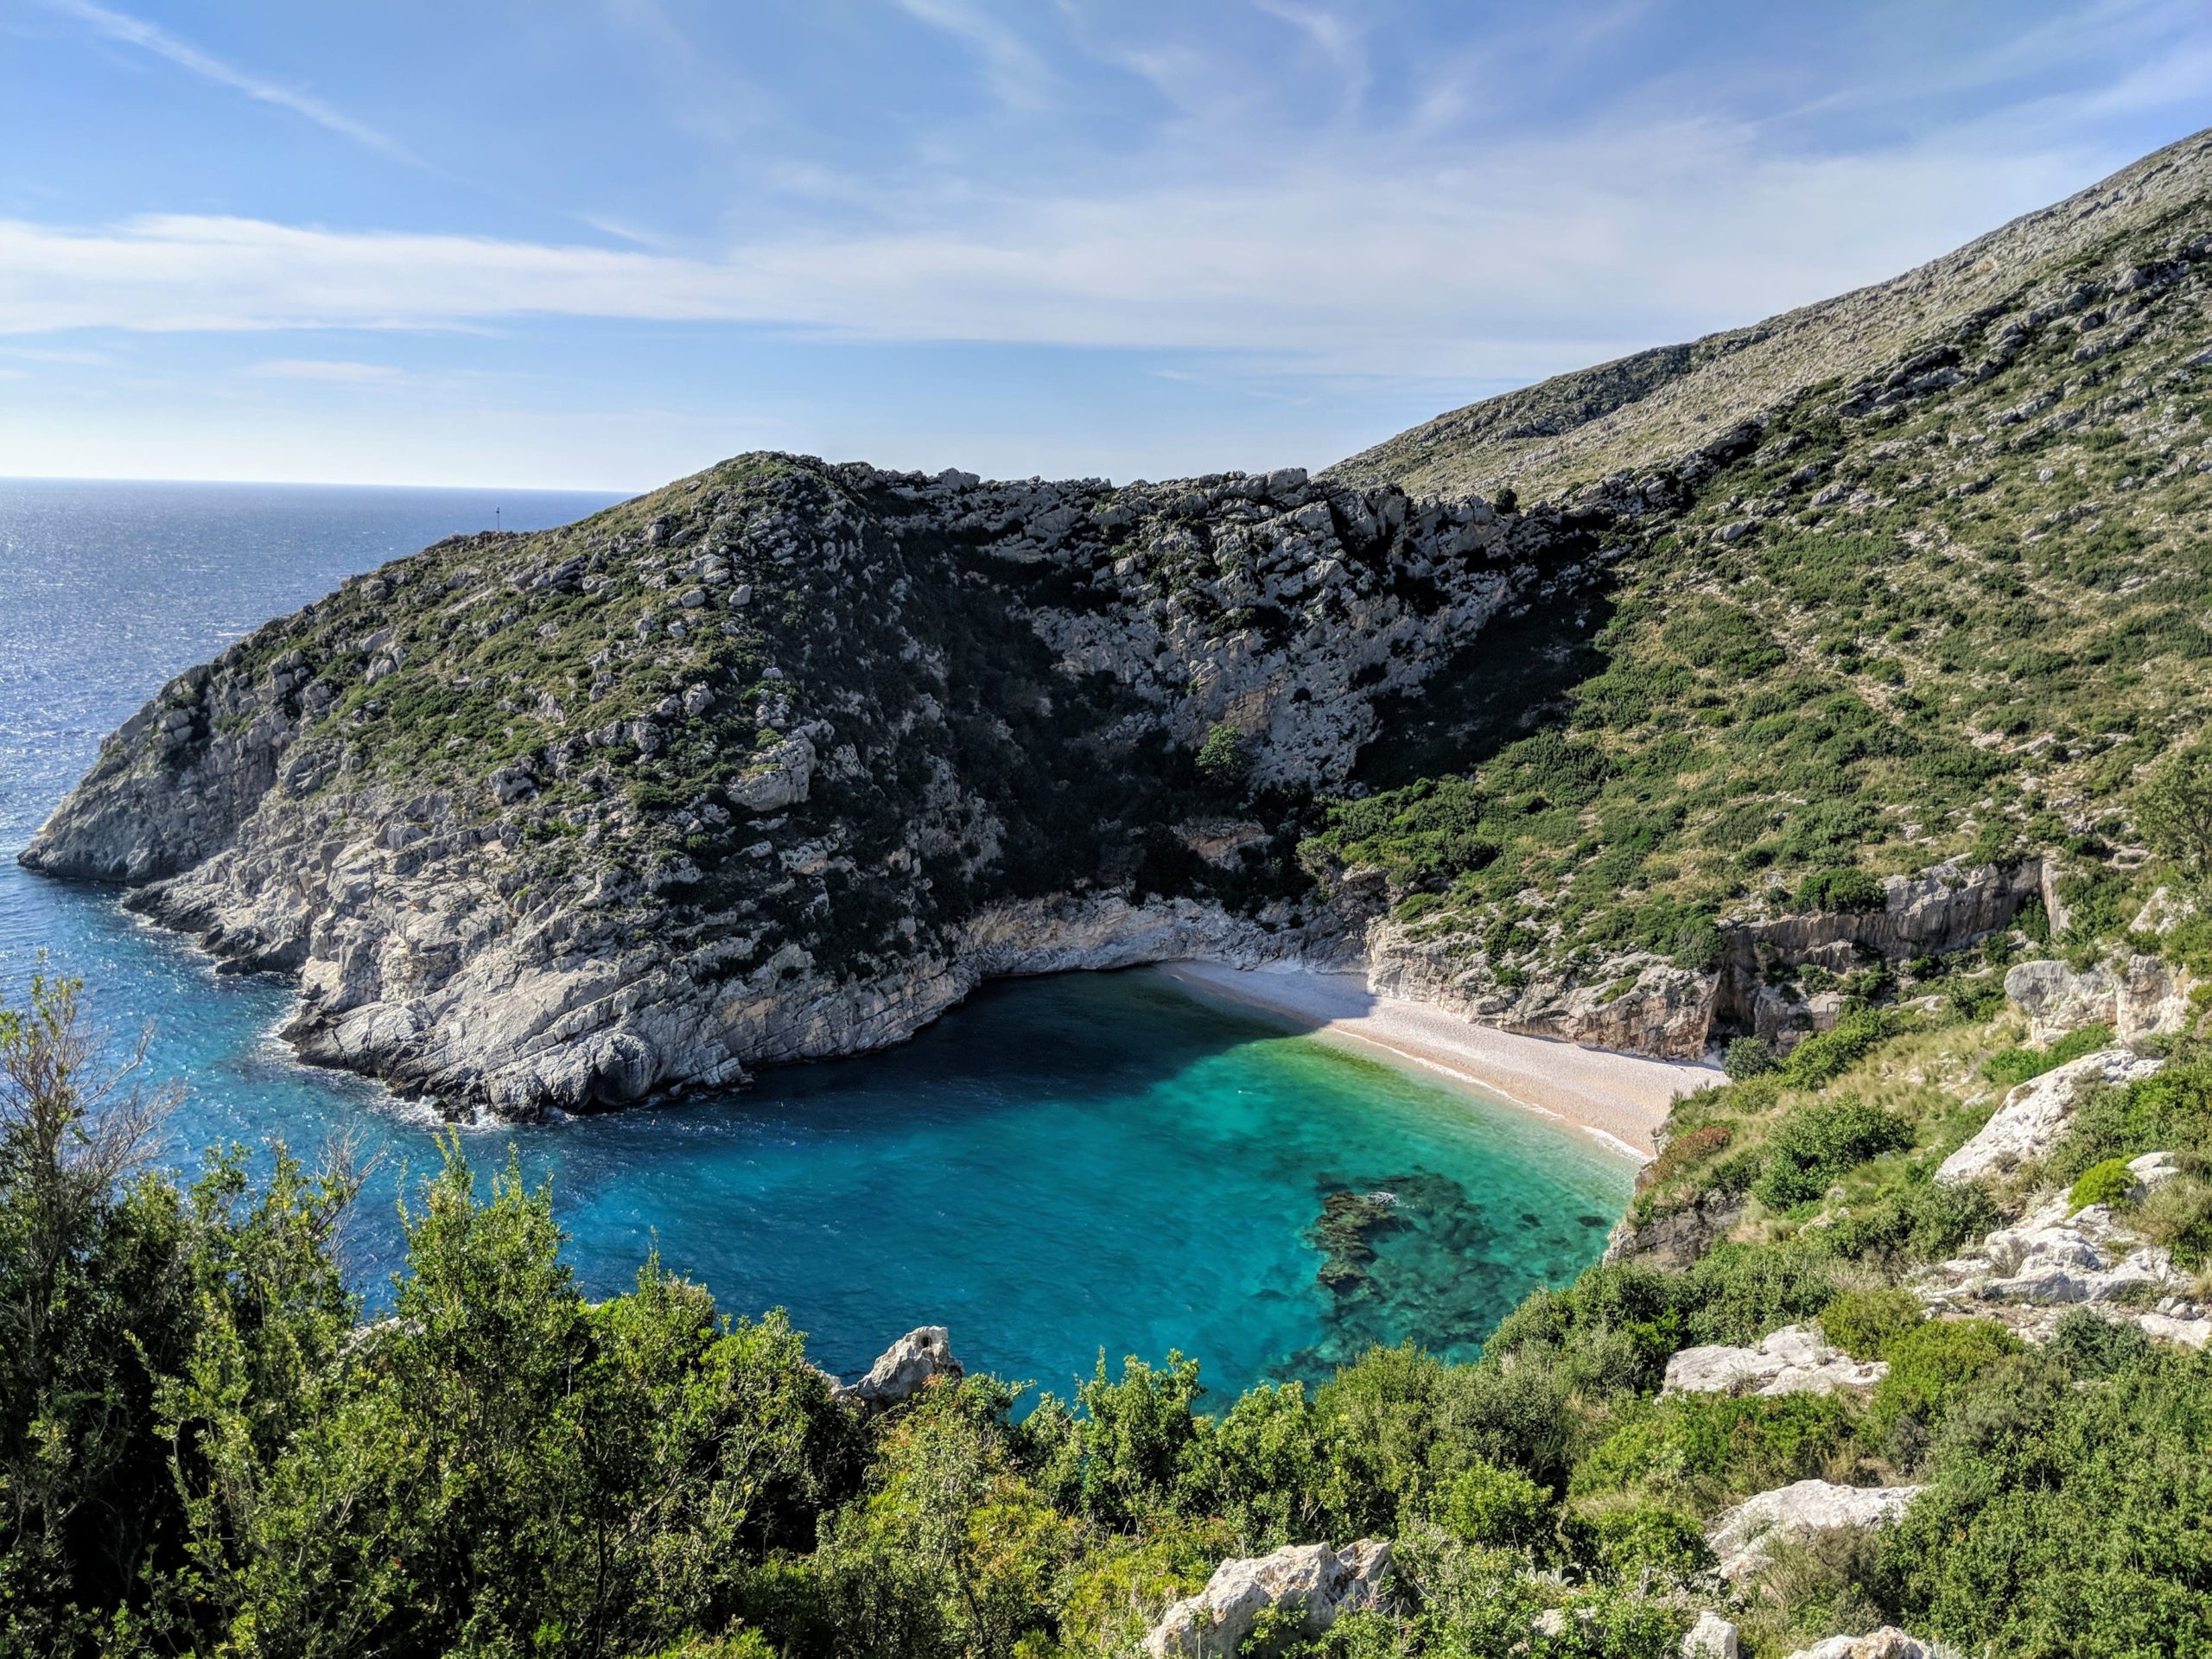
(777, 762)
(1806, 655)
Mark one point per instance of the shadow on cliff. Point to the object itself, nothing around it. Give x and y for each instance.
(1510, 680)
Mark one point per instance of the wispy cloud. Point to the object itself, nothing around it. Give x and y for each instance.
(1338, 39)
(335, 371)
(1517, 272)
(1018, 76)
(151, 37)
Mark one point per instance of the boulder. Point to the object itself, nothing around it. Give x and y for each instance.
(1795, 1359)
(778, 778)
(1888, 1643)
(2033, 1116)
(904, 1368)
(1743, 1535)
(1312, 1580)
(1710, 1638)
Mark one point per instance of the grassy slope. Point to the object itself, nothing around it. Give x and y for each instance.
(1913, 621)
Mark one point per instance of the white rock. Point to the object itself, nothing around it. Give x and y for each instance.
(1888, 1643)
(1795, 1359)
(1710, 1638)
(1743, 1535)
(904, 1369)
(2153, 1168)
(1312, 1579)
(780, 777)
(2034, 1115)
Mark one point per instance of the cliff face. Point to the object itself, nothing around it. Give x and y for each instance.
(778, 762)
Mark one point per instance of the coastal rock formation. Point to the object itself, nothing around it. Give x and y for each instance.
(2032, 1116)
(904, 1368)
(1795, 1359)
(1312, 1580)
(777, 763)
(1744, 1536)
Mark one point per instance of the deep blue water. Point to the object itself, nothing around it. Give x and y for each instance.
(1061, 1166)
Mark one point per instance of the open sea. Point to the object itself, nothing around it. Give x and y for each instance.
(1063, 1166)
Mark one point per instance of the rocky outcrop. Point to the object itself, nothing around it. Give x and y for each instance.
(1666, 1010)
(776, 764)
(904, 1370)
(1888, 1643)
(2031, 1119)
(1679, 1237)
(1744, 1537)
(1710, 1638)
(1313, 1581)
(2137, 996)
(1795, 1359)
(2027, 1275)
(1945, 908)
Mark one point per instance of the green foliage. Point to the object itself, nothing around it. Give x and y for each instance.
(1840, 890)
(1931, 1363)
(1865, 1323)
(2109, 1182)
(1222, 758)
(2173, 810)
(1819, 1142)
(2012, 1066)
(1499, 1508)
(1749, 1057)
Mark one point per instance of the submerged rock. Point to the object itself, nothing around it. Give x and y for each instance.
(1312, 1580)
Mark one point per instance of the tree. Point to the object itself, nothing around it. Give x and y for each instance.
(1223, 758)
(2173, 813)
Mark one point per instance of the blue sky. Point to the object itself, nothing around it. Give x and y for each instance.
(601, 243)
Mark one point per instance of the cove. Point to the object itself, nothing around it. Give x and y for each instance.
(1059, 1167)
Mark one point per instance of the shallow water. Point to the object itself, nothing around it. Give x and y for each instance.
(1061, 1166)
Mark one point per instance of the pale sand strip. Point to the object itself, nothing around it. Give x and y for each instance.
(1618, 1099)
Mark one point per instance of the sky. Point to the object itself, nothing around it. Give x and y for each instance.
(601, 244)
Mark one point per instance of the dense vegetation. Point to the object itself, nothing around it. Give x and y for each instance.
(206, 1445)
(1952, 612)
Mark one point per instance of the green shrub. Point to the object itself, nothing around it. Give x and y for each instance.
(1222, 758)
(1845, 889)
(2177, 1214)
(1819, 1142)
(2010, 1067)
(1931, 1364)
(1864, 1323)
(1647, 1543)
(2109, 1182)
(1499, 1508)
(1749, 1057)
(1828, 1054)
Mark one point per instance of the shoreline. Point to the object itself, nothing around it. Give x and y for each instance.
(1618, 1100)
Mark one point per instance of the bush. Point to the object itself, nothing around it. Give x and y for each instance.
(1818, 1142)
(1849, 890)
(1864, 1323)
(2109, 1182)
(1749, 1057)
(1828, 1054)
(1501, 1509)
(1646, 1543)
(2011, 1067)
(1931, 1364)
(1222, 758)
(2176, 1214)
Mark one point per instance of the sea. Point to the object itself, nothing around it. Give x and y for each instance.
(1062, 1170)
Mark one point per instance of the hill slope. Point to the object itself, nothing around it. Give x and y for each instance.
(777, 762)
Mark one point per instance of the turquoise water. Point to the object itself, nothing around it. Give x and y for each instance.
(1064, 1165)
